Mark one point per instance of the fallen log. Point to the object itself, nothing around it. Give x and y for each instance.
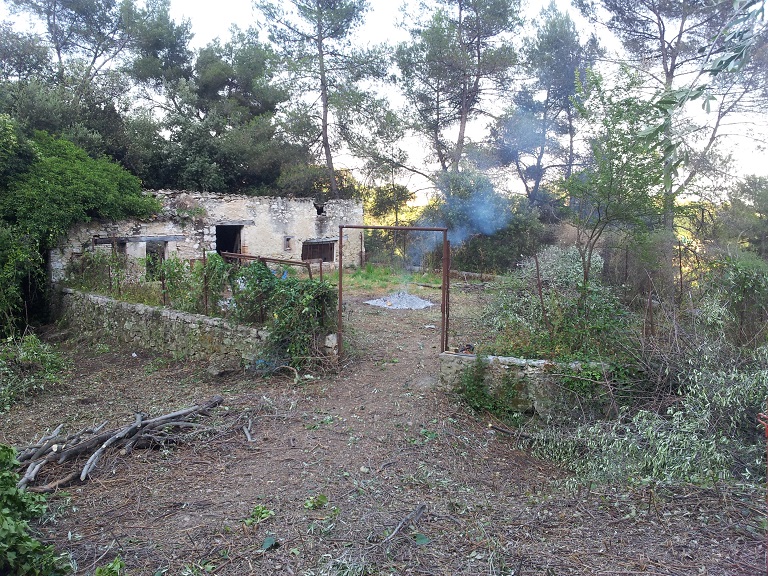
(61, 449)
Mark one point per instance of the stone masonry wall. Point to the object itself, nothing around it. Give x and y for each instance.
(270, 227)
(160, 329)
(536, 390)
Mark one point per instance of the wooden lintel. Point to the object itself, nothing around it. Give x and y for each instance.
(235, 223)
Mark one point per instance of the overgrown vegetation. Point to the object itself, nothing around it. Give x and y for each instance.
(685, 385)
(27, 366)
(43, 171)
(296, 312)
(20, 551)
(546, 310)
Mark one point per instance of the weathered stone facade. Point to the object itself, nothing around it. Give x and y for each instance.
(99, 318)
(195, 222)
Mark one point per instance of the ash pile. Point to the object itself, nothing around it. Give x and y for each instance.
(401, 301)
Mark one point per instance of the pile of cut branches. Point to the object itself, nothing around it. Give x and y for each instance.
(79, 453)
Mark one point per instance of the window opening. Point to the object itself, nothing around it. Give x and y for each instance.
(318, 250)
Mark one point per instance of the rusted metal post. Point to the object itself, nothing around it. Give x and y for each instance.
(205, 284)
(341, 292)
(446, 288)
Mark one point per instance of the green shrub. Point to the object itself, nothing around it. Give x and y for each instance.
(20, 552)
(301, 312)
(178, 283)
(251, 286)
(710, 435)
(27, 366)
(21, 266)
(546, 311)
(740, 284)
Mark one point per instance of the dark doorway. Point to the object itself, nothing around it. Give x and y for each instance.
(228, 238)
(155, 256)
(316, 250)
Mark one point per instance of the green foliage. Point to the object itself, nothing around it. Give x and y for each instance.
(740, 285)
(101, 270)
(616, 190)
(302, 312)
(251, 287)
(21, 269)
(296, 312)
(73, 188)
(189, 287)
(546, 311)
(259, 514)
(390, 199)
(16, 152)
(747, 214)
(530, 135)
(502, 250)
(455, 53)
(20, 552)
(47, 186)
(314, 40)
(27, 366)
(316, 502)
(709, 436)
(114, 568)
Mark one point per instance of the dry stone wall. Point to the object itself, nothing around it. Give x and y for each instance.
(100, 318)
(536, 388)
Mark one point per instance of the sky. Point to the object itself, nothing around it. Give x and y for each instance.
(210, 20)
(213, 19)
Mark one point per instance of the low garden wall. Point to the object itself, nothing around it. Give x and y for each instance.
(528, 386)
(194, 336)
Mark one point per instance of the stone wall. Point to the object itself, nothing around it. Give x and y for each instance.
(530, 386)
(99, 318)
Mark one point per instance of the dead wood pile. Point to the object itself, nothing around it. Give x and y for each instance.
(67, 452)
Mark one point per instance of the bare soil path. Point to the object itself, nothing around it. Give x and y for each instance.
(414, 483)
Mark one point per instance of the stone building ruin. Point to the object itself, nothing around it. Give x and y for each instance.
(193, 223)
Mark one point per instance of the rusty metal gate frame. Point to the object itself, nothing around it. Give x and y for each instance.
(444, 304)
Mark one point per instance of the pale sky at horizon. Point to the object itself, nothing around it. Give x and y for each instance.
(210, 20)
(213, 19)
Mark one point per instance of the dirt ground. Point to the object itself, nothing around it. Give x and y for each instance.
(414, 482)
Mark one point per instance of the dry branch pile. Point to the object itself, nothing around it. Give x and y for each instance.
(90, 444)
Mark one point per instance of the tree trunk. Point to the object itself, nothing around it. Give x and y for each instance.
(326, 142)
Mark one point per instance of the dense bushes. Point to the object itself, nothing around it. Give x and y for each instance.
(27, 365)
(545, 310)
(295, 312)
(46, 186)
(20, 552)
(699, 371)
